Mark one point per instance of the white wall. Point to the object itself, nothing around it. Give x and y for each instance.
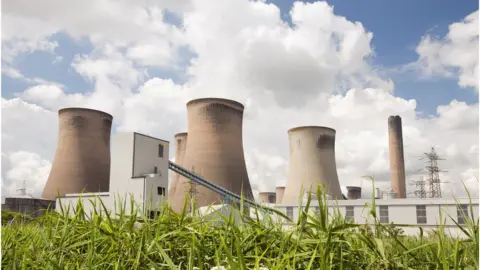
(133, 157)
(400, 211)
(145, 159)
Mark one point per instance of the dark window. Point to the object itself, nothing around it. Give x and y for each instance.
(349, 214)
(462, 213)
(154, 214)
(271, 198)
(160, 150)
(421, 214)
(383, 214)
(290, 212)
(161, 191)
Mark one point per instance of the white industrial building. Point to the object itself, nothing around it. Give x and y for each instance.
(139, 171)
(409, 214)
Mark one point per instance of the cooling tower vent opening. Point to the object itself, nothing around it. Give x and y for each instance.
(217, 101)
(311, 127)
(84, 110)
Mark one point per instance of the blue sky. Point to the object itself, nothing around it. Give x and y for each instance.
(397, 27)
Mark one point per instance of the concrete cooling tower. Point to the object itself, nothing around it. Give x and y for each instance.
(279, 194)
(312, 163)
(397, 163)
(214, 151)
(82, 158)
(180, 149)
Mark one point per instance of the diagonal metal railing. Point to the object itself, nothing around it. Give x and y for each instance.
(227, 194)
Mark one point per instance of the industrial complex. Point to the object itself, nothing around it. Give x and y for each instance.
(210, 167)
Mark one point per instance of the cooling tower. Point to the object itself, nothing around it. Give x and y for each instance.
(181, 146)
(279, 194)
(397, 164)
(354, 193)
(267, 197)
(312, 163)
(82, 158)
(214, 151)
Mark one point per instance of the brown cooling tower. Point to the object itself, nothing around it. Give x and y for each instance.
(181, 146)
(397, 163)
(312, 163)
(267, 197)
(279, 194)
(354, 193)
(82, 158)
(214, 151)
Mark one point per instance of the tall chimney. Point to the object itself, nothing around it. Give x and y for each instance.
(82, 158)
(397, 163)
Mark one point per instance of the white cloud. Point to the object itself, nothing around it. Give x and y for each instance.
(454, 55)
(51, 96)
(28, 26)
(284, 75)
(25, 170)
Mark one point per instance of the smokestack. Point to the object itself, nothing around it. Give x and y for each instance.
(267, 197)
(180, 148)
(397, 164)
(354, 193)
(279, 194)
(312, 163)
(214, 151)
(82, 158)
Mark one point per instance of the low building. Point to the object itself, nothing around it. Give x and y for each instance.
(28, 205)
(139, 172)
(408, 214)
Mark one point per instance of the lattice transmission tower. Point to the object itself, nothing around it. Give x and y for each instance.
(420, 188)
(433, 181)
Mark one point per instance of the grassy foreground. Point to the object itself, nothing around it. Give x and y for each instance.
(179, 241)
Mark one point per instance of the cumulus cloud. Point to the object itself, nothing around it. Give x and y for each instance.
(455, 55)
(314, 72)
(25, 170)
(28, 27)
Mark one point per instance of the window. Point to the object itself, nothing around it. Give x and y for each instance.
(421, 214)
(160, 150)
(290, 212)
(154, 214)
(462, 213)
(349, 214)
(161, 191)
(384, 214)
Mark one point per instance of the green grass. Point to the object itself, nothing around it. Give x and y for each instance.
(181, 241)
